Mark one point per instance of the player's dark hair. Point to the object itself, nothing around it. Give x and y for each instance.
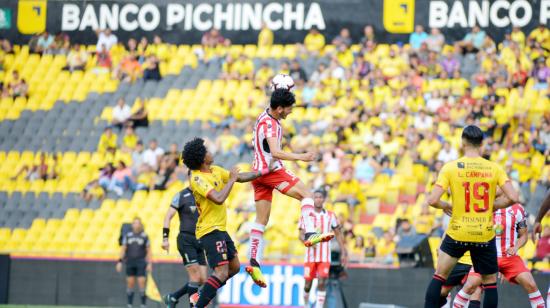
(282, 98)
(194, 153)
(473, 135)
(321, 191)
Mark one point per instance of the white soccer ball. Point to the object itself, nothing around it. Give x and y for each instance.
(282, 81)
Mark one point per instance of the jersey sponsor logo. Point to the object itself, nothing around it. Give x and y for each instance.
(460, 165)
(193, 209)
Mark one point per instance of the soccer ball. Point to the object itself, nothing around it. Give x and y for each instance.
(282, 81)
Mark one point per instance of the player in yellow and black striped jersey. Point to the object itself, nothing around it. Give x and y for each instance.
(472, 181)
(211, 186)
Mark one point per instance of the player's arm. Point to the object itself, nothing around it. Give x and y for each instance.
(121, 258)
(243, 177)
(342, 243)
(149, 257)
(219, 197)
(302, 235)
(501, 200)
(434, 200)
(277, 153)
(166, 228)
(507, 188)
(544, 208)
(522, 238)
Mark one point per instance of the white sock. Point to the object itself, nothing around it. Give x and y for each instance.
(320, 302)
(536, 300)
(306, 299)
(307, 211)
(256, 246)
(461, 300)
(548, 297)
(448, 304)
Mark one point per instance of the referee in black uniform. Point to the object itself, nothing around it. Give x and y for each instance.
(136, 253)
(191, 252)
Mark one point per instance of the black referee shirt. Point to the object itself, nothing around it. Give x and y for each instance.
(136, 245)
(184, 203)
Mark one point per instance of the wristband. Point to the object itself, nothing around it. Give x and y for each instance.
(264, 171)
(165, 232)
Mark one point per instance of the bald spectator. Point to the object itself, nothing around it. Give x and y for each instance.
(153, 155)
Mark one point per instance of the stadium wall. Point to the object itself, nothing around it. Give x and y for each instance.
(240, 20)
(69, 282)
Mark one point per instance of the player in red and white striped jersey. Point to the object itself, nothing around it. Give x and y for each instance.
(267, 137)
(317, 258)
(510, 226)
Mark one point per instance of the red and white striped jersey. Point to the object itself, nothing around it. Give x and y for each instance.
(507, 223)
(266, 127)
(325, 221)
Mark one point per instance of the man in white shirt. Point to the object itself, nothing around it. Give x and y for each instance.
(121, 113)
(153, 154)
(105, 37)
(447, 154)
(423, 122)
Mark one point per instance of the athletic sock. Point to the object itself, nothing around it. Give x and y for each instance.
(130, 296)
(307, 215)
(536, 300)
(443, 300)
(306, 299)
(180, 292)
(461, 299)
(433, 292)
(474, 304)
(320, 302)
(256, 246)
(490, 299)
(142, 297)
(208, 292)
(548, 297)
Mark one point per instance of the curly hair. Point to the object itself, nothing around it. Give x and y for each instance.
(194, 153)
(283, 98)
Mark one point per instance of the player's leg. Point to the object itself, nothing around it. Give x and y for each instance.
(465, 294)
(321, 292)
(475, 299)
(457, 277)
(130, 284)
(449, 253)
(299, 191)
(263, 195)
(526, 280)
(307, 288)
(141, 285)
(484, 257)
(445, 297)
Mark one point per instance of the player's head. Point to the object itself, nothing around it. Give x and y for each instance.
(319, 197)
(472, 136)
(195, 154)
(281, 103)
(137, 226)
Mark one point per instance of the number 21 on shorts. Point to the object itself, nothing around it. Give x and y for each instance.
(221, 246)
(480, 193)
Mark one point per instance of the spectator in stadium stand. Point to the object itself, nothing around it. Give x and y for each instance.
(320, 74)
(226, 142)
(448, 153)
(128, 69)
(130, 139)
(425, 221)
(6, 46)
(76, 59)
(104, 62)
(243, 68)
(435, 40)
(138, 162)
(137, 256)
(297, 73)
(105, 38)
(366, 169)
(105, 176)
(473, 41)
(314, 41)
(405, 228)
(541, 35)
(385, 249)
(417, 37)
(36, 172)
(142, 46)
(368, 35)
(92, 191)
(422, 121)
(121, 113)
(107, 140)
(160, 49)
(302, 142)
(357, 249)
(265, 37)
(450, 63)
(44, 43)
(213, 38)
(151, 69)
(122, 179)
(263, 75)
(518, 36)
(62, 44)
(165, 175)
(349, 191)
(131, 46)
(228, 68)
(173, 153)
(541, 73)
(140, 117)
(343, 37)
(153, 155)
(19, 88)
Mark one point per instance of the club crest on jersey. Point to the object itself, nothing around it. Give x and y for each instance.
(193, 209)
(460, 165)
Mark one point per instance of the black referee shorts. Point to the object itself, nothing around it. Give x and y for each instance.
(136, 267)
(484, 255)
(219, 248)
(190, 250)
(458, 275)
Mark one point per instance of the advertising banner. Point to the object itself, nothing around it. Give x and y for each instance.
(184, 22)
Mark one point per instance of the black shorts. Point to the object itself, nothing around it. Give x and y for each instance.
(190, 250)
(484, 255)
(219, 248)
(136, 267)
(458, 275)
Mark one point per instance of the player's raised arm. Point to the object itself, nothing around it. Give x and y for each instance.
(243, 177)
(278, 153)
